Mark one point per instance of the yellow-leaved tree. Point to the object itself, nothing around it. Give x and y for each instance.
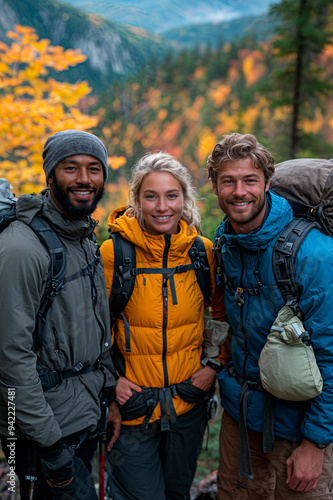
(33, 105)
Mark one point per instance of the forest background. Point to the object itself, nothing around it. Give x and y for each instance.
(263, 72)
(173, 78)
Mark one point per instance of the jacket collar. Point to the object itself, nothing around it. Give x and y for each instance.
(30, 205)
(278, 216)
(153, 245)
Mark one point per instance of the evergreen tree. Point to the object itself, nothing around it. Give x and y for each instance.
(302, 31)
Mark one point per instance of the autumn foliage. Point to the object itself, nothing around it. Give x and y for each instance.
(34, 105)
(183, 105)
(186, 104)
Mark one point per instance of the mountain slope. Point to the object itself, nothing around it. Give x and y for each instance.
(160, 16)
(213, 33)
(111, 50)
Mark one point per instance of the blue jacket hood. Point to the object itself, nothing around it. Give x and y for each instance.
(280, 213)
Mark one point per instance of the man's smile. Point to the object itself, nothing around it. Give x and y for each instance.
(240, 203)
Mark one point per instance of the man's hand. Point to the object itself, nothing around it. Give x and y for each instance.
(57, 464)
(124, 390)
(115, 418)
(304, 467)
(204, 378)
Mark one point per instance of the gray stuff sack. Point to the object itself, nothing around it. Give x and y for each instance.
(7, 198)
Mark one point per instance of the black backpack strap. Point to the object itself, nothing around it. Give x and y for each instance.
(51, 241)
(222, 277)
(284, 255)
(239, 291)
(168, 271)
(199, 263)
(50, 378)
(57, 269)
(125, 271)
(199, 258)
(122, 286)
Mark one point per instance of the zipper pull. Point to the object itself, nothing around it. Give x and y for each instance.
(239, 297)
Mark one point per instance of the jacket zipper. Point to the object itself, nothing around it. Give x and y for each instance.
(56, 339)
(165, 309)
(94, 297)
(242, 318)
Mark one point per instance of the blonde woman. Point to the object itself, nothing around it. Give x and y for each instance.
(157, 341)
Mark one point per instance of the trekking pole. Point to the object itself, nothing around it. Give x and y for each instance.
(102, 449)
(31, 490)
(211, 413)
(32, 476)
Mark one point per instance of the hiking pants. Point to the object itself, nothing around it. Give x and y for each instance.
(269, 469)
(148, 464)
(82, 486)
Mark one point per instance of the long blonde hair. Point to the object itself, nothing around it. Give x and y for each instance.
(163, 162)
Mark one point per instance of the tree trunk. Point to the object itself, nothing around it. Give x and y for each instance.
(298, 80)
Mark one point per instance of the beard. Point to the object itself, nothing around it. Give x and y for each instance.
(254, 213)
(83, 208)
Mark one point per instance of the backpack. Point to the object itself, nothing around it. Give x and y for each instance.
(288, 367)
(125, 271)
(48, 238)
(56, 274)
(307, 184)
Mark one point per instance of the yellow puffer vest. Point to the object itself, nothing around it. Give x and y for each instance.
(166, 339)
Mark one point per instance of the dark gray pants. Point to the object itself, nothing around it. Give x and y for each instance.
(155, 465)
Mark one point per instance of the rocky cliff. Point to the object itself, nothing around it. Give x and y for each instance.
(111, 49)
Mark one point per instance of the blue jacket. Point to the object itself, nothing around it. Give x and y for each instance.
(248, 264)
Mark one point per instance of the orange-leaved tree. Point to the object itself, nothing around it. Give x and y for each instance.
(33, 105)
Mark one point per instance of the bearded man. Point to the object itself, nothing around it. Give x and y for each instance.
(55, 370)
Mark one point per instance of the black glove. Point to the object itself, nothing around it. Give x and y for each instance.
(109, 394)
(57, 464)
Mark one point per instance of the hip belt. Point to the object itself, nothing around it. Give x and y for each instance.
(50, 378)
(144, 403)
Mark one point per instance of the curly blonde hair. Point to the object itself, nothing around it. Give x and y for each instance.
(163, 162)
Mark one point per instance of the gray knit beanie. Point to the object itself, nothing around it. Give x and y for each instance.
(67, 143)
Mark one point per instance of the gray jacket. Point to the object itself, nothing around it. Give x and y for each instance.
(77, 328)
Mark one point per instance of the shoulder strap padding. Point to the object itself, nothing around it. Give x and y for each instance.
(124, 260)
(55, 248)
(198, 254)
(56, 273)
(7, 215)
(284, 255)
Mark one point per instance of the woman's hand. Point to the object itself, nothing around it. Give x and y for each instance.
(124, 390)
(204, 378)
